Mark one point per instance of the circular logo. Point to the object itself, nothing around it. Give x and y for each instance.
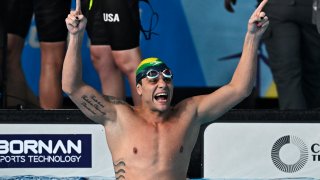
(275, 154)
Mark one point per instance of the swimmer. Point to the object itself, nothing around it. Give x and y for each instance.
(154, 140)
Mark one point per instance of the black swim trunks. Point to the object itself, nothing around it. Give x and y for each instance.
(49, 15)
(113, 22)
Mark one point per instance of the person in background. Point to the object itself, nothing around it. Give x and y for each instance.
(293, 44)
(18, 19)
(154, 140)
(52, 34)
(114, 28)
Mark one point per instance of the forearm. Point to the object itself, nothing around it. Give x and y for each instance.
(245, 74)
(72, 67)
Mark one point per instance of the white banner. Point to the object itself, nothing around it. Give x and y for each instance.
(262, 150)
(54, 150)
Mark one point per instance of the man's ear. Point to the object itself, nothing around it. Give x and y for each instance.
(139, 89)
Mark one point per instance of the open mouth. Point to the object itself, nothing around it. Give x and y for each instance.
(161, 97)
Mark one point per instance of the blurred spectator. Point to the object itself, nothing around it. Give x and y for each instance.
(52, 33)
(114, 28)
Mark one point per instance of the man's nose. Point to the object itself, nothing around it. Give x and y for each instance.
(161, 81)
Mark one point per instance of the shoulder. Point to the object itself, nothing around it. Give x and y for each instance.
(119, 105)
(118, 109)
(115, 101)
(186, 111)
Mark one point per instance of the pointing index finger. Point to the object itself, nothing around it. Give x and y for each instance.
(260, 7)
(78, 6)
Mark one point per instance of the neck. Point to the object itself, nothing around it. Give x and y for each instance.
(154, 116)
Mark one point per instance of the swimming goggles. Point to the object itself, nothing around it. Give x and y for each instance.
(153, 75)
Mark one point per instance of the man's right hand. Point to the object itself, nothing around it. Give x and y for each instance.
(228, 5)
(76, 22)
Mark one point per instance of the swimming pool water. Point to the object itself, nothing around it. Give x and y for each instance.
(30, 177)
(53, 178)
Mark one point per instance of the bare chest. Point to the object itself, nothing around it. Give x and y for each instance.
(159, 141)
(159, 145)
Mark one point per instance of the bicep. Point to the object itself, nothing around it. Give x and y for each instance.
(93, 104)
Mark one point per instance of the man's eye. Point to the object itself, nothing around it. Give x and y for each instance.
(167, 80)
(153, 80)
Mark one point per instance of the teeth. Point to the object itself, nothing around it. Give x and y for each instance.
(162, 94)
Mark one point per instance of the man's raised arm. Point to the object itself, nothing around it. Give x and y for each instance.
(212, 106)
(89, 101)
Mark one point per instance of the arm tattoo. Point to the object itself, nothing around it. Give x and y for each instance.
(92, 104)
(119, 168)
(114, 100)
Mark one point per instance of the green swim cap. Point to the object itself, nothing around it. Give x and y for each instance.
(147, 64)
